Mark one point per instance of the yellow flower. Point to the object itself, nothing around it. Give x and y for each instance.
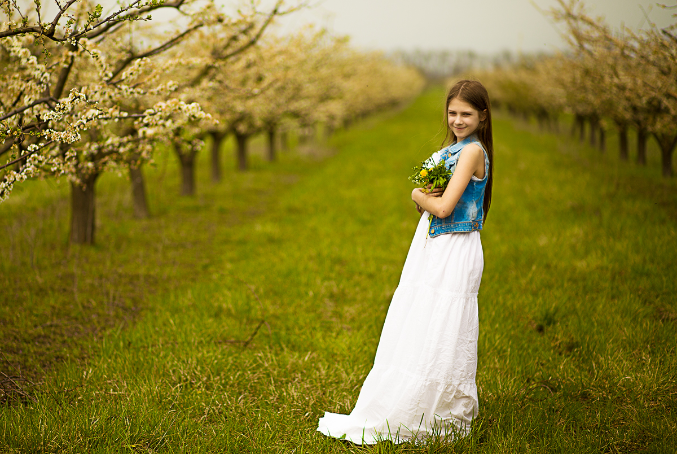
(424, 173)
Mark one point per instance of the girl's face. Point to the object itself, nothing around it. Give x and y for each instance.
(463, 118)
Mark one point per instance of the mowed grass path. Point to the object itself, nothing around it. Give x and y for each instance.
(577, 311)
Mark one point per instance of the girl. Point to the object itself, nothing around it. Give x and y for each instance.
(423, 380)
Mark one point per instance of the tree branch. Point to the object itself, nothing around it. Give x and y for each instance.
(234, 38)
(251, 42)
(52, 26)
(21, 30)
(108, 19)
(275, 11)
(22, 157)
(24, 108)
(669, 35)
(94, 32)
(63, 76)
(167, 45)
(7, 146)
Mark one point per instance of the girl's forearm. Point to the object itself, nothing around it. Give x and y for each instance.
(442, 206)
(432, 204)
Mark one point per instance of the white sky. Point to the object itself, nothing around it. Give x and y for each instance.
(485, 26)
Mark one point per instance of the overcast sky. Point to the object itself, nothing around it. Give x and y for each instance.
(485, 26)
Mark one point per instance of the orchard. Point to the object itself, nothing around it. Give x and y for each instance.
(608, 81)
(80, 98)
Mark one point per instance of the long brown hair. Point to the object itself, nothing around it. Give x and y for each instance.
(476, 95)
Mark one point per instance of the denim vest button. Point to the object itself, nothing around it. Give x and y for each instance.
(432, 231)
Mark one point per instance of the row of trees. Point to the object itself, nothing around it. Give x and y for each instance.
(607, 81)
(86, 92)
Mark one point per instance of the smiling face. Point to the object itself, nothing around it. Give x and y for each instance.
(463, 118)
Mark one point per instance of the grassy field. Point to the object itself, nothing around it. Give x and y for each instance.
(231, 321)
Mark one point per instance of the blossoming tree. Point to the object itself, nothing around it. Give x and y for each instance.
(635, 75)
(64, 94)
(80, 99)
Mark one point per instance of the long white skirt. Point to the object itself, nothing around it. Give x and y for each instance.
(422, 383)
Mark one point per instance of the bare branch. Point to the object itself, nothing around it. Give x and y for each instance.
(37, 10)
(245, 343)
(110, 17)
(57, 18)
(21, 30)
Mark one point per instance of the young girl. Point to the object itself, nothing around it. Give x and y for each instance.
(423, 380)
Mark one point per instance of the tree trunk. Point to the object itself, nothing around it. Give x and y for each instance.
(594, 126)
(188, 173)
(579, 124)
(623, 141)
(667, 143)
(217, 140)
(186, 155)
(271, 144)
(642, 138)
(602, 139)
(242, 140)
(19, 165)
(139, 199)
(542, 120)
(83, 211)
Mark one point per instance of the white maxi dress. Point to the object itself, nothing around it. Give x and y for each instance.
(422, 383)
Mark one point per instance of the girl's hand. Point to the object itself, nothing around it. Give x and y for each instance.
(437, 192)
(419, 209)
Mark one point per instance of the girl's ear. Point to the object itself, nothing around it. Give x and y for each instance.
(483, 115)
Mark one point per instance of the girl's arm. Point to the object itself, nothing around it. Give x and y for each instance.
(470, 161)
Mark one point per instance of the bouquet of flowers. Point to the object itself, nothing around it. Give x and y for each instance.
(431, 174)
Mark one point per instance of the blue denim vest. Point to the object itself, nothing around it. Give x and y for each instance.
(468, 214)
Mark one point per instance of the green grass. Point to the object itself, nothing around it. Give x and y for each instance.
(132, 341)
